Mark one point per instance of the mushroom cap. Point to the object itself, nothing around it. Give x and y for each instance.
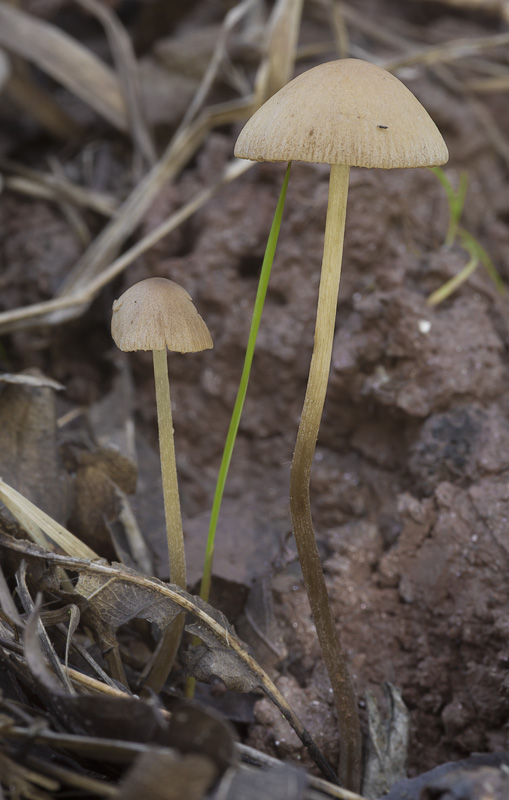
(156, 314)
(347, 112)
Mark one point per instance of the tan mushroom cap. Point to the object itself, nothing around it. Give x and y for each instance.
(156, 314)
(344, 112)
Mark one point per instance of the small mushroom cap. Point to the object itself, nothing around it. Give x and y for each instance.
(156, 314)
(344, 112)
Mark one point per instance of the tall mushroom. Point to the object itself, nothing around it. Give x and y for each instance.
(343, 113)
(156, 314)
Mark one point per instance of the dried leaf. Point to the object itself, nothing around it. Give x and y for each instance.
(66, 60)
(115, 598)
(191, 777)
(118, 467)
(386, 762)
(117, 594)
(283, 782)
(29, 458)
(101, 478)
(195, 729)
(119, 718)
(189, 53)
(486, 783)
(282, 35)
(37, 103)
(216, 660)
(458, 779)
(40, 526)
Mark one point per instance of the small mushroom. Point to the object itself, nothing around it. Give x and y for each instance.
(343, 113)
(156, 314)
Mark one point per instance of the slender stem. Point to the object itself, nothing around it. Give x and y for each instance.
(169, 471)
(157, 669)
(242, 390)
(344, 697)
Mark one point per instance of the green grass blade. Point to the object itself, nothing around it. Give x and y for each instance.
(239, 403)
(455, 201)
(475, 248)
(451, 285)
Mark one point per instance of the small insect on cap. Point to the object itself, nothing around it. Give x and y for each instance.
(156, 314)
(347, 112)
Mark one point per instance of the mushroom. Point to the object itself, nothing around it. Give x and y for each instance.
(343, 113)
(156, 314)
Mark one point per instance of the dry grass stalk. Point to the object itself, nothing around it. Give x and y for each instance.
(127, 70)
(497, 83)
(450, 51)
(72, 213)
(484, 116)
(56, 188)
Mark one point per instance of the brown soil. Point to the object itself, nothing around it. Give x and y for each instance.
(409, 489)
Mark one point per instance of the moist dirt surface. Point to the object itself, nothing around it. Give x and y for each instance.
(409, 488)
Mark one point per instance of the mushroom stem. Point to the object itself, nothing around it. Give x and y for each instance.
(174, 531)
(344, 697)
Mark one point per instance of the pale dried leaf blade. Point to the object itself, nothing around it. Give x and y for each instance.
(66, 60)
(43, 530)
(74, 621)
